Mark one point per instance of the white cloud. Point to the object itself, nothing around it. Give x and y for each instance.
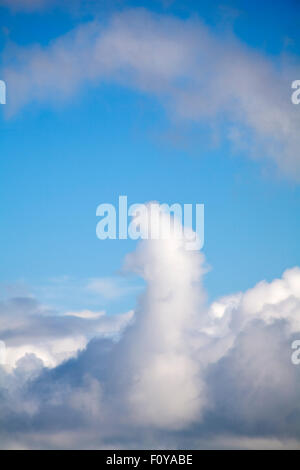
(28, 328)
(110, 288)
(196, 75)
(166, 390)
(85, 314)
(78, 295)
(183, 374)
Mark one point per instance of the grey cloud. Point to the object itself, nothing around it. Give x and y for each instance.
(27, 326)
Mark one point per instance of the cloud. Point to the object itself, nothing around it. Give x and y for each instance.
(166, 391)
(110, 287)
(198, 76)
(27, 327)
(85, 314)
(75, 294)
(183, 374)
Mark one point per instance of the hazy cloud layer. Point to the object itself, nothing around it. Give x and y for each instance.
(198, 77)
(182, 374)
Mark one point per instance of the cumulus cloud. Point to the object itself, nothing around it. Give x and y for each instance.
(166, 389)
(197, 75)
(28, 327)
(182, 374)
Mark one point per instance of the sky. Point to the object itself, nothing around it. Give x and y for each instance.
(171, 101)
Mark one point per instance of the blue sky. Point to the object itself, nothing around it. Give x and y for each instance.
(58, 164)
(168, 101)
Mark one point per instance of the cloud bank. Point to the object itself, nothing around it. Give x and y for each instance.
(181, 375)
(198, 76)
(27, 327)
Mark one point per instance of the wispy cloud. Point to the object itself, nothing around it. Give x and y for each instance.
(111, 287)
(198, 76)
(67, 292)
